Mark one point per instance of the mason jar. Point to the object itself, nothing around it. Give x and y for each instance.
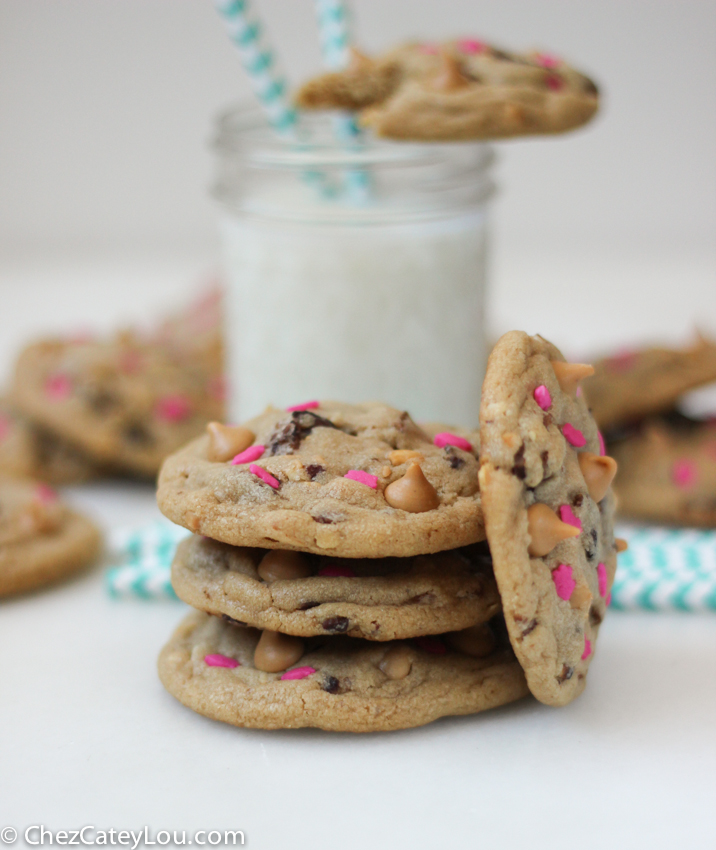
(356, 271)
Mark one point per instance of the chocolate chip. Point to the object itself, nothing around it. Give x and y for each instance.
(101, 401)
(331, 685)
(594, 535)
(577, 500)
(530, 627)
(595, 617)
(519, 470)
(306, 605)
(232, 620)
(452, 457)
(567, 673)
(336, 625)
(426, 598)
(326, 520)
(136, 433)
(547, 420)
(288, 435)
(545, 458)
(314, 469)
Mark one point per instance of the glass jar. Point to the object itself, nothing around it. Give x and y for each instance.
(355, 271)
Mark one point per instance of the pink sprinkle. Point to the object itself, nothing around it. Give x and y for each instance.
(334, 570)
(265, 475)
(362, 478)
(573, 436)
(431, 644)
(221, 661)
(471, 45)
(216, 388)
(587, 648)
(307, 405)
(298, 673)
(130, 362)
(446, 439)
(602, 446)
(554, 83)
(542, 397)
(548, 60)
(684, 474)
(5, 426)
(602, 579)
(45, 494)
(566, 514)
(58, 387)
(173, 408)
(429, 48)
(608, 600)
(248, 455)
(563, 582)
(580, 391)
(623, 361)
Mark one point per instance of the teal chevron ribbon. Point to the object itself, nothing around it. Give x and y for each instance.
(142, 560)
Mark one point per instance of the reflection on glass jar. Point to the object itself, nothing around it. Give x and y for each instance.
(354, 272)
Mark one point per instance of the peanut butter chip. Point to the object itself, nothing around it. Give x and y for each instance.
(598, 473)
(546, 530)
(276, 652)
(403, 455)
(450, 77)
(621, 544)
(477, 641)
(226, 441)
(581, 597)
(397, 661)
(281, 564)
(570, 374)
(413, 492)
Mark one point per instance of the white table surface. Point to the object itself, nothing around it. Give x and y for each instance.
(88, 735)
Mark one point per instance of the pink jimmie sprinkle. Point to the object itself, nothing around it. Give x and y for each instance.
(684, 474)
(432, 645)
(428, 48)
(542, 397)
(548, 60)
(333, 570)
(587, 648)
(573, 436)
(580, 392)
(307, 405)
(173, 408)
(554, 83)
(566, 514)
(447, 439)
(5, 426)
(602, 446)
(58, 387)
(563, 582)
(248, 455)
(221, 661)
(362, 478)
(602, 579)
(45, 494)
(265, 475)
(298, 673)
(471, 45)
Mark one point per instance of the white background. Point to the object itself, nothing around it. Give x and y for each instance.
(603, 237)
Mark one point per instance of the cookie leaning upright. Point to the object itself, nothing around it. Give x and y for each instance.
(549, 511)
(352, 481)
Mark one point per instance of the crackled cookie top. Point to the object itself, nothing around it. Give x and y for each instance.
(374, 598)
(667, 472)
(336, 683)
(351, 481)
(635, 383)
(457, 90)
(548, 510)
(41, 540)
(125, 402)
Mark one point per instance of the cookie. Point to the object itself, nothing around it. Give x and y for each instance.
(41, 540)
(667, 472)
(549, 510)
(376, 598)
(338, 684)
(124, 402)
(635, 384)
(350, 481)
(28, 451)
(457, 90)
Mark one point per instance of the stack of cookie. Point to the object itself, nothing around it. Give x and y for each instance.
(663, 438)
(342, 578)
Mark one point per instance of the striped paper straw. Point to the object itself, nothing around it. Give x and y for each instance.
(259, 62)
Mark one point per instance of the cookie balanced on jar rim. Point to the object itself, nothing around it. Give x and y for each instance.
(549, 511)
(352, 481)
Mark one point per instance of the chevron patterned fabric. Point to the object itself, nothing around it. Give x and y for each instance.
(143, 558)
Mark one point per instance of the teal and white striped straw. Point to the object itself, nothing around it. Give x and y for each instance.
(334, 32)
(259, 62)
